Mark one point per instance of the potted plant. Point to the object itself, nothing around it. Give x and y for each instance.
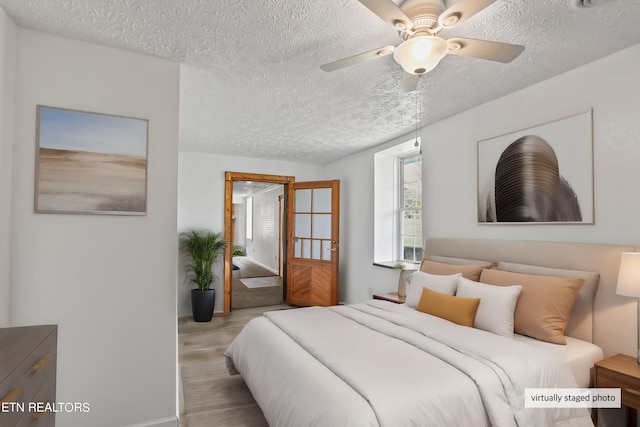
(202, 249)
(402, 280)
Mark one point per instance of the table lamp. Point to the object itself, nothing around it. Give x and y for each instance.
(629, 282)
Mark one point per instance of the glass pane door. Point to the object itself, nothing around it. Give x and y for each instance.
(312, 224)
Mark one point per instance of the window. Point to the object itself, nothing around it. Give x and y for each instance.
(249, 218)
(397, 204)
(409, 212)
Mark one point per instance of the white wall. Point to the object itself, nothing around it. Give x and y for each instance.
(8, 40)
(609, 86)
(201, 200)
(107, 281)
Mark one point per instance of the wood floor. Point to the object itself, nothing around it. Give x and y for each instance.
(211, 396)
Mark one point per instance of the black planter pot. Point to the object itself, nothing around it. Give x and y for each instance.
(202, 304)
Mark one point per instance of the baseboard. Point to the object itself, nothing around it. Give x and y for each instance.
(160, 422)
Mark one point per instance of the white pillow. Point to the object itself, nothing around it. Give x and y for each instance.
(497, 305)
(435, 282)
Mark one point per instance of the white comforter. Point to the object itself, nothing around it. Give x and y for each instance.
(382, 364)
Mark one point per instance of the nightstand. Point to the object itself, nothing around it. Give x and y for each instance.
(390, 296)
(623, 372)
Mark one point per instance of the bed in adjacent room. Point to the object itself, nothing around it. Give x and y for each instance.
(483, 321)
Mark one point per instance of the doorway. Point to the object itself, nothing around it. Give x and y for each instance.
(257, 275)
(256, 279)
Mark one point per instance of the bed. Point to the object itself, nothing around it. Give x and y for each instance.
(382, 364)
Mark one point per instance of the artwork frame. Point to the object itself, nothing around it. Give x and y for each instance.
(90, 163)
(542, 174)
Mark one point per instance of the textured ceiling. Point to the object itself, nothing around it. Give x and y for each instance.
(251, 83)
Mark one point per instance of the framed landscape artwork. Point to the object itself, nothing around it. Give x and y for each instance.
(543, 174)
(90, 163)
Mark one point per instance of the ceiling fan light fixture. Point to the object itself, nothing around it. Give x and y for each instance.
(420, 54)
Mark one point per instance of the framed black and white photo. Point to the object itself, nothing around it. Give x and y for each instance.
(542, 174)
(90, 163)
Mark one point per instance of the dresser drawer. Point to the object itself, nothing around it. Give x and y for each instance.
(34, 374)
(629, 386)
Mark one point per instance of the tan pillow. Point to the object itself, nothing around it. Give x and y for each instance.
(469, 271)
(454, 309)
(544, 305)
(580, 324)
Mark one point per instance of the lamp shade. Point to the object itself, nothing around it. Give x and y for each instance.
(629, 275)
(420, 54)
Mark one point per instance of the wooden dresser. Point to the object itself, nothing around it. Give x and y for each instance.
(27, 375)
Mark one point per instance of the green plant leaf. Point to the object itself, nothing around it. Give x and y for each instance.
(201, 250)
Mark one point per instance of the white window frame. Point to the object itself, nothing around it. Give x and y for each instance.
(386, 248)
(400, 208)
(249, 218)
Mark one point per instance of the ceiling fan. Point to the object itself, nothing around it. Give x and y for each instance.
(418, 22)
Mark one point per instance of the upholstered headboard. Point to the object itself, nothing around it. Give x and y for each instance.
(613, 325)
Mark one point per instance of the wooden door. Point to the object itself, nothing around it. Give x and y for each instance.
(313, 211)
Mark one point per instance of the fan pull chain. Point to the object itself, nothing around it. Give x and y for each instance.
(418, 115)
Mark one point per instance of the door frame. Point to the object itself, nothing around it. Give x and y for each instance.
(229, 178)
(281, 231)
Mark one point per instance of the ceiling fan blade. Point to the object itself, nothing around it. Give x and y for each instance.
(484, 49)
(389, 12)
(461, 11)
(409, 82)
(357, 59)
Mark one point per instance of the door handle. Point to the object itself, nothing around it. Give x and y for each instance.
(332, 249)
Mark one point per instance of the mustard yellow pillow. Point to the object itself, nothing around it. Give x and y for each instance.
(544, 305)
(454, 309)
(469, 271)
